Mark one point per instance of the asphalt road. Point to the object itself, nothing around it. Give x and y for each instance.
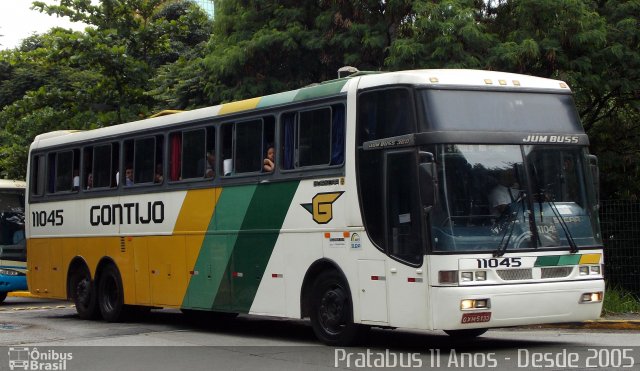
(51, 335)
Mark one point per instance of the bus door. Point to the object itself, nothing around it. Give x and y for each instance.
(407, 281)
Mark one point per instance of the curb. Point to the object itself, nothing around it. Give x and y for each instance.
(602, 324)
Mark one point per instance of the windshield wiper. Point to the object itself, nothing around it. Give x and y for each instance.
(510, 223)
(572, 243)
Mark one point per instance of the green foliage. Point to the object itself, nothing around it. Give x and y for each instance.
(617, 300)
(100, 77)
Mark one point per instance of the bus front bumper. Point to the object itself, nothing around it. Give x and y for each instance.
(13, 283)
(515, 305)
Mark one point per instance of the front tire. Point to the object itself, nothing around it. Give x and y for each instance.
(3, 295)
(111, 295)
(84, 294)
(332, 311)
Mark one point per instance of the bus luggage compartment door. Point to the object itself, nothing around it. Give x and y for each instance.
(372, 291)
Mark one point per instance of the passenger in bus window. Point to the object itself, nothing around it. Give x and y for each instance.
(210, 166)
(76, 179)
(128, 176)
(90, 181)
(159, 177)
(269, 161)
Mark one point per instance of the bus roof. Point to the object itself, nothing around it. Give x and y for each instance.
(433, 78)
(12, 184)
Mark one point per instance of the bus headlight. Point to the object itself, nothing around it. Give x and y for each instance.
(9, 272)
(481, 275)
(469, 304)
(466, 276)
(586, 270)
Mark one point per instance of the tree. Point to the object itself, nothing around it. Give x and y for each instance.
(100, 77)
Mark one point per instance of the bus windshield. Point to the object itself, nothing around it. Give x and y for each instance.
(12, 226)
(509, 197)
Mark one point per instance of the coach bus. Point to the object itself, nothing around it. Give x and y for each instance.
(457, 200)
(13, 252)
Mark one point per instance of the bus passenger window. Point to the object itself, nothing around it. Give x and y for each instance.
(61, 171)
(314, 138)
(140, 160)
(288, 140)
(193, 153)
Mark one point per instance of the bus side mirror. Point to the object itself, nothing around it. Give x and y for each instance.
(427, 177)
(595, 175)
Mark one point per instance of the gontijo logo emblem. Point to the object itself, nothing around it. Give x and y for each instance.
(321, 206)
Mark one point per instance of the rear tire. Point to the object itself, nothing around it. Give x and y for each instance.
(466, 334)
(83, 293)
(332, 311)
(111, 295)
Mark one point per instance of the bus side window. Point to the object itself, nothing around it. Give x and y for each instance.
(288, 140)
(314, 137)
(37, 175)
(63, 170)
(140, 158)
(337, 135)
(193, 155)
(385, 113)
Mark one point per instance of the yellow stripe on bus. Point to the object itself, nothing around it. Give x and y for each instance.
(590, 259)
(243, 105)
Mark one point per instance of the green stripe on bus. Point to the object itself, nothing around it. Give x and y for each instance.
(217, 247)
(276, 99)
(556, 260)
(254, 246)
(322, 90)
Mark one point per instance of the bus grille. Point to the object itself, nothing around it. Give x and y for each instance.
(515, 274)
(556, 272)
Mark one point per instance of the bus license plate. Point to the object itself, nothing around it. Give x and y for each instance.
(476, 317)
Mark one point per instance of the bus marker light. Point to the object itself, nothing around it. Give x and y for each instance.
(516, 82)
(433, 79)
(346, 234)
(448, 277)
(276, 275)
(488, 81)
(327, 235)
(502, 82)
(414, 279)
(378, 278)
(237, 274)
(481, 276)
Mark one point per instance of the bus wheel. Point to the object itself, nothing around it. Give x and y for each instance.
(84, 294)
(468, 333)
(111, 295)
(332, 312)
(3, 295)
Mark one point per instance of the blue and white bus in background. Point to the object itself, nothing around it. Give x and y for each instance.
(13, 254)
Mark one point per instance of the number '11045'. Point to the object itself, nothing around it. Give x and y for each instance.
(495, 263)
